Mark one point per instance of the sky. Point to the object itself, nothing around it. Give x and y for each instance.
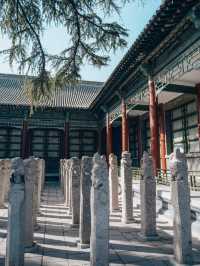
(134, 17)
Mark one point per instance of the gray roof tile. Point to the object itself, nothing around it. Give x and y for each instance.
(81, 95)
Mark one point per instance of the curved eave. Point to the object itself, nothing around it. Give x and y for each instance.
(166, 18)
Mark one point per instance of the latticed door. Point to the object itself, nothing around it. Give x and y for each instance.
(10, 142)
(82, 142)
(46, 144)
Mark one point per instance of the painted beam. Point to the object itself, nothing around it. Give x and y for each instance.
(140, 107)
(180, 89)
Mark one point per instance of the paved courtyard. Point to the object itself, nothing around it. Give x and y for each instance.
(56, 241)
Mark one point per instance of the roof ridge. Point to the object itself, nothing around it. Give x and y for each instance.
(75, 96)
(14, 76)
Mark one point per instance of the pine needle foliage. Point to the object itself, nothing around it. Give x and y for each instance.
(87, 22)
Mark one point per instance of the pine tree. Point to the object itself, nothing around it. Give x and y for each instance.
(24, 22)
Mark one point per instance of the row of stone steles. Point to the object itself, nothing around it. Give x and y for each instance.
(26, 184)
(91, 193)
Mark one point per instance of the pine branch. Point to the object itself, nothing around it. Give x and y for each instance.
(92, 38)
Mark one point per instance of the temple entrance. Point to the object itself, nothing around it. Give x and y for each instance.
(46, 144)
(116, 141)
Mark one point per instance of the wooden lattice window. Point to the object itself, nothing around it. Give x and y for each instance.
(82, 142)
(184, 128)
(10, 142)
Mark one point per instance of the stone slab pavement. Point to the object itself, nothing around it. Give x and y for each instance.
(56, 241)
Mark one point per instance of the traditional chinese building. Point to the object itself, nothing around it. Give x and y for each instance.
(150, 102)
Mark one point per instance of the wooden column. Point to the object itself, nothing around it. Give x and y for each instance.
(198, 108)
(162, 138)
(66, 140)
(24, 140)
(154, 129)
(108, 136)
(125, 135)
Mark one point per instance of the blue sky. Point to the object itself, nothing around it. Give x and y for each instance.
(134, 16)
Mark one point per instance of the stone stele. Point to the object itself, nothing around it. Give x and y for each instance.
(30, 166)
(113, 183)
(127, 190)
(181, 206)
(85, 211)
(2, 184)
(99, 252)
(67, 190)
(148, 199)
(16, 216)
(75, 187)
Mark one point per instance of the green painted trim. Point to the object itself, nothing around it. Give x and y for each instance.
(181, 89)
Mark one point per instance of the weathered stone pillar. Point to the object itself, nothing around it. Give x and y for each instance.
(85, 212)
(75, 193)
(70, 187)
(198, 108)
(16, 216)
(2, 184)
(30, 166)
(38, 172)
(67, 189)
(61, 174)
(99, 254)
(7, 173)
(113, 182)
(148, 199)
(43, 173)
(35, 192)
(181, 206)
(127, 190)
(64, 177)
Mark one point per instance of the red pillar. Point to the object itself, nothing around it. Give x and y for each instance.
(24, 142)
(125, 138)
(153, 119)
(198, 108)
(66, 140)
(162, 138)
(108, 136)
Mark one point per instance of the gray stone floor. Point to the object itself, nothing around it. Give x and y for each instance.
(56, 241)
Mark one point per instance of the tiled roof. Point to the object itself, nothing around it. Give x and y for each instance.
(81, 95)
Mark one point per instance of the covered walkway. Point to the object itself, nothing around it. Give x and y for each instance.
(56, 240)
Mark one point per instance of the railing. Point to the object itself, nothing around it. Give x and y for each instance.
(194, 180)
(163, 178)
(136, 173)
